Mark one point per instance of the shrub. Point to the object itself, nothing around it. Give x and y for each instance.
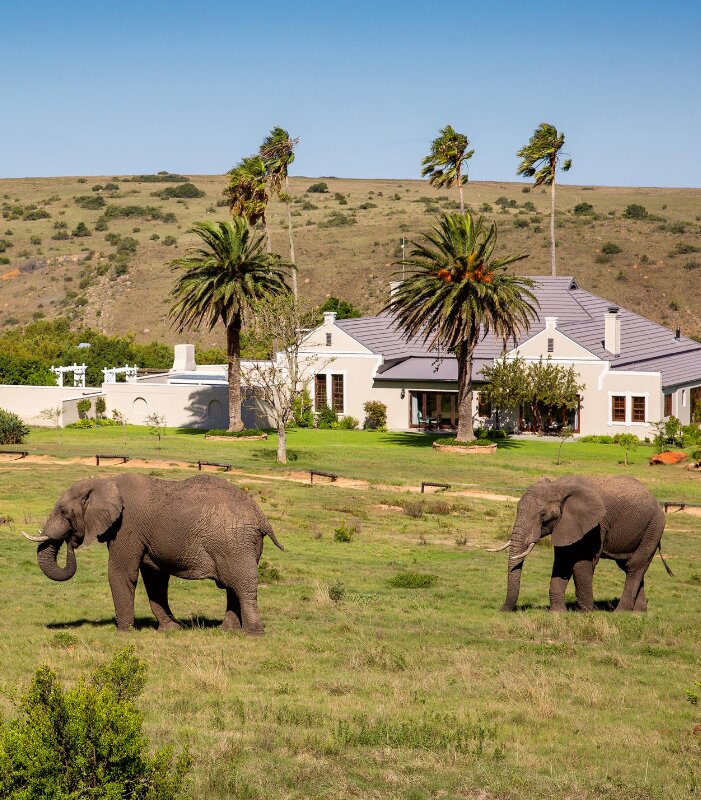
(528, 206)
(101, 225)
(12, 429)
(267, 573)
(486, 207)
(349, 423)
(160, 177)
(81, 229)
(37, 213)
(303, 411)
(326, 417)
(169, 241)
(83, 406)
(184, 190)
(35, 240)
(413, 580)
(692, 264)
(414, 508)
(344, 533)
(375, 415)
(367, 206)
(318, 188)
(236, 434)
(610, 248)
(521, 222)
(635, 211)
(97, 723)
(338, 220)
(596, 439)
(582, 209)
(91, 202)
(337, 591)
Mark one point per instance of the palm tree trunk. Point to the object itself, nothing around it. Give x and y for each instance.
(466, 431)
(462, 199)
(233, 355)
(552, 224)
(292, 238)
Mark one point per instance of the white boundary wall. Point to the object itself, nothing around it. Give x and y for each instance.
(28, 401)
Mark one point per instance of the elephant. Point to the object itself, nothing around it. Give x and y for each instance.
(201, 527)
(588, 518)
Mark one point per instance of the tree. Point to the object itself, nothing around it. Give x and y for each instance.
(219, 282)
(246, 192)
(277, 152)
(628, 442)
(282, 324)
(456, 293)
(54, 416)
(343, 309)
(156, 425)
(540, 159)
(444, 164)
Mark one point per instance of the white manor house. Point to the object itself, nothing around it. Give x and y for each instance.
(635, 373)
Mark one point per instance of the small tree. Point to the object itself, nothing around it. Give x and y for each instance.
(53, 415)
(564, 434)
(156, 425)
(121, 419)
(506, 384)
(12, 429)
(281, 326)
(100, 407)
(375, 415)
(83, 407)
(629, 442)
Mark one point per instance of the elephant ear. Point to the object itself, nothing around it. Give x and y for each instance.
(103, 506)
(582, 510)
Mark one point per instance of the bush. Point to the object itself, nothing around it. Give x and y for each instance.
(318, 188)
(81, 229)
(337, 591)
(375, 415)
(344, 533)
(338, 220)
(37, 213)
(596, 439)
(83, 406)
(169, 241)
(610, 248)
(582, 209)
(87, 741)
(635, 211)
(413, 580)
(414, 508)
(267, 573)
(100, 406)
(12, 429)
(303, 411)
(91, 202)
(184, 190)
(236, 434)
(349, 423)
(486, 208)
(326, 418)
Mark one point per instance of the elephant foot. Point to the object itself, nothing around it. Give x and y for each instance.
(254, 631)
(230, 627)
(507, 607)
(168, 625)
(125, 628)
(558, 609)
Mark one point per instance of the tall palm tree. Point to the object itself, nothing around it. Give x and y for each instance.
(445, 162)
(277, 152)
(247, 193)
(540, 159)
(456, 293)
(219, 281)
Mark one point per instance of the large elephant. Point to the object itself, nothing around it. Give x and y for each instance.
(589, 518)
(202, 527)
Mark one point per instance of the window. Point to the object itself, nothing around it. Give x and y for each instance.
(618, 408)
(328, 340)
(337, 393)
(638, 409)
(320, 400)
(484, 407)
(668, 405)
(551, 345)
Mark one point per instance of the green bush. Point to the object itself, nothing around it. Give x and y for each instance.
(303, 410)
(375, 415)
(81, 229)
(326, 417)
(635, 211)
(37, 213)
(343, 309)
(160, 177)
(169, 241)
(100, 406)
(344, 533)
(486, 208)
(267, 573)
(610, 248)
(236, 434)
(528, 206)
(337, 591)
(89, 424)
(12, 429)
(318, 188)
(87, 742)
(184, 190)
(83, 406)
(582, 209)
(413, 580)
(349, 423)
(91, 202)
(597, 439)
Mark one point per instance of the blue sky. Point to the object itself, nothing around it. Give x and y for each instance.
(102, 88)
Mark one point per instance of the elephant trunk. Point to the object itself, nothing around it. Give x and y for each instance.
(46, 557)
(518, 550)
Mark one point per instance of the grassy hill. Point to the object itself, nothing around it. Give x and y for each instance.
(117, 279)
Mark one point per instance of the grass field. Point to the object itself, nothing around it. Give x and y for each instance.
(657, 271)
(364, 690)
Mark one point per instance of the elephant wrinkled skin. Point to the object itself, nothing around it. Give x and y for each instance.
(202, 527)
(588, 518)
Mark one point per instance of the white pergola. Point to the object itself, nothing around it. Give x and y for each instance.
(78, 371)
(130, 373)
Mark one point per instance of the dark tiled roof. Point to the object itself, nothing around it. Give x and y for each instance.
(645, 345)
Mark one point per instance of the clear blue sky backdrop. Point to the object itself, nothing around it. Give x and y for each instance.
(101, 88)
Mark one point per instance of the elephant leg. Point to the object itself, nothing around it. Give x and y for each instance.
(156, 584)
(583, 584)
(561, 574)
(640, 601)
(232, 617)
(122, 578)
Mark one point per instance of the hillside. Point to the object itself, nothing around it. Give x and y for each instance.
(116, 277)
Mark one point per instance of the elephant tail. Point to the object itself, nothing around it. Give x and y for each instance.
(666, 566)
(267, 530)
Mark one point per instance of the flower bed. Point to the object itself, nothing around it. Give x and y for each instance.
(451, 445)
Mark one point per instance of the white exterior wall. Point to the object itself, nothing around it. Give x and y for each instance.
(28, 401)
(681, 402)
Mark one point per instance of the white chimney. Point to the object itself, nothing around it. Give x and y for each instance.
(393, 286)
(184, 359)
(612, 331)
(551, 322)
(329, 317)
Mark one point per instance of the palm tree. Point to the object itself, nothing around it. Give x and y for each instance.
(456, 293)
(446, 160)
(219, 282)
(246, 192)
(540, 159)
(277, 152)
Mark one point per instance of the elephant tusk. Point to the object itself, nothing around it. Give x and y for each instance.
(35, 538)
(524, 554)
(498, 549)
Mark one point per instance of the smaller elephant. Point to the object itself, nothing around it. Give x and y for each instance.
(588, 518)
(202, 527)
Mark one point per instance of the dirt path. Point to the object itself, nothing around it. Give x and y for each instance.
(294, 476)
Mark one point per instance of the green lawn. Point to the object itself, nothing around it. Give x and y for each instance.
(384, 692)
